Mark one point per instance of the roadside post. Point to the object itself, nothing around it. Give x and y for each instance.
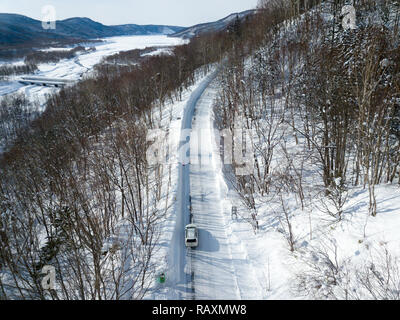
(234, 212)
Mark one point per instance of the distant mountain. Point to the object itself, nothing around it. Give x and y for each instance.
(212, 26)
(17, 29)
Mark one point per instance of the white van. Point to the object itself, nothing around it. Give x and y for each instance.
(191, 236)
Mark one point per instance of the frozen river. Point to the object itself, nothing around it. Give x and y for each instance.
(83, 63)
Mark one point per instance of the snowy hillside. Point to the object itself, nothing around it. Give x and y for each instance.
(316, 220)
(260, 163)
(219, 25)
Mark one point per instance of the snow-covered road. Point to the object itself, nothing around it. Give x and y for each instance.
(214, 273)
(220, 264)
(180, 258)
(218, 268)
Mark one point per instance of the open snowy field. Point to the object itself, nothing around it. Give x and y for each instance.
(83, 63)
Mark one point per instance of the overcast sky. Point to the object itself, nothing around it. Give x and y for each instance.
(111, 12)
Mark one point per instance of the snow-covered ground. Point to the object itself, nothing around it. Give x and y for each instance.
(174, 259)
(219, 268)
(233, 261)
(220, 265)
(158, 52)
(83, 63)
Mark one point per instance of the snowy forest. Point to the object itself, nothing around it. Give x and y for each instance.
(314, 108)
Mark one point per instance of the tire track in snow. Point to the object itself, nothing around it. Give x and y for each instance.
(223, 268)
(219, 267)
(215, 276)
